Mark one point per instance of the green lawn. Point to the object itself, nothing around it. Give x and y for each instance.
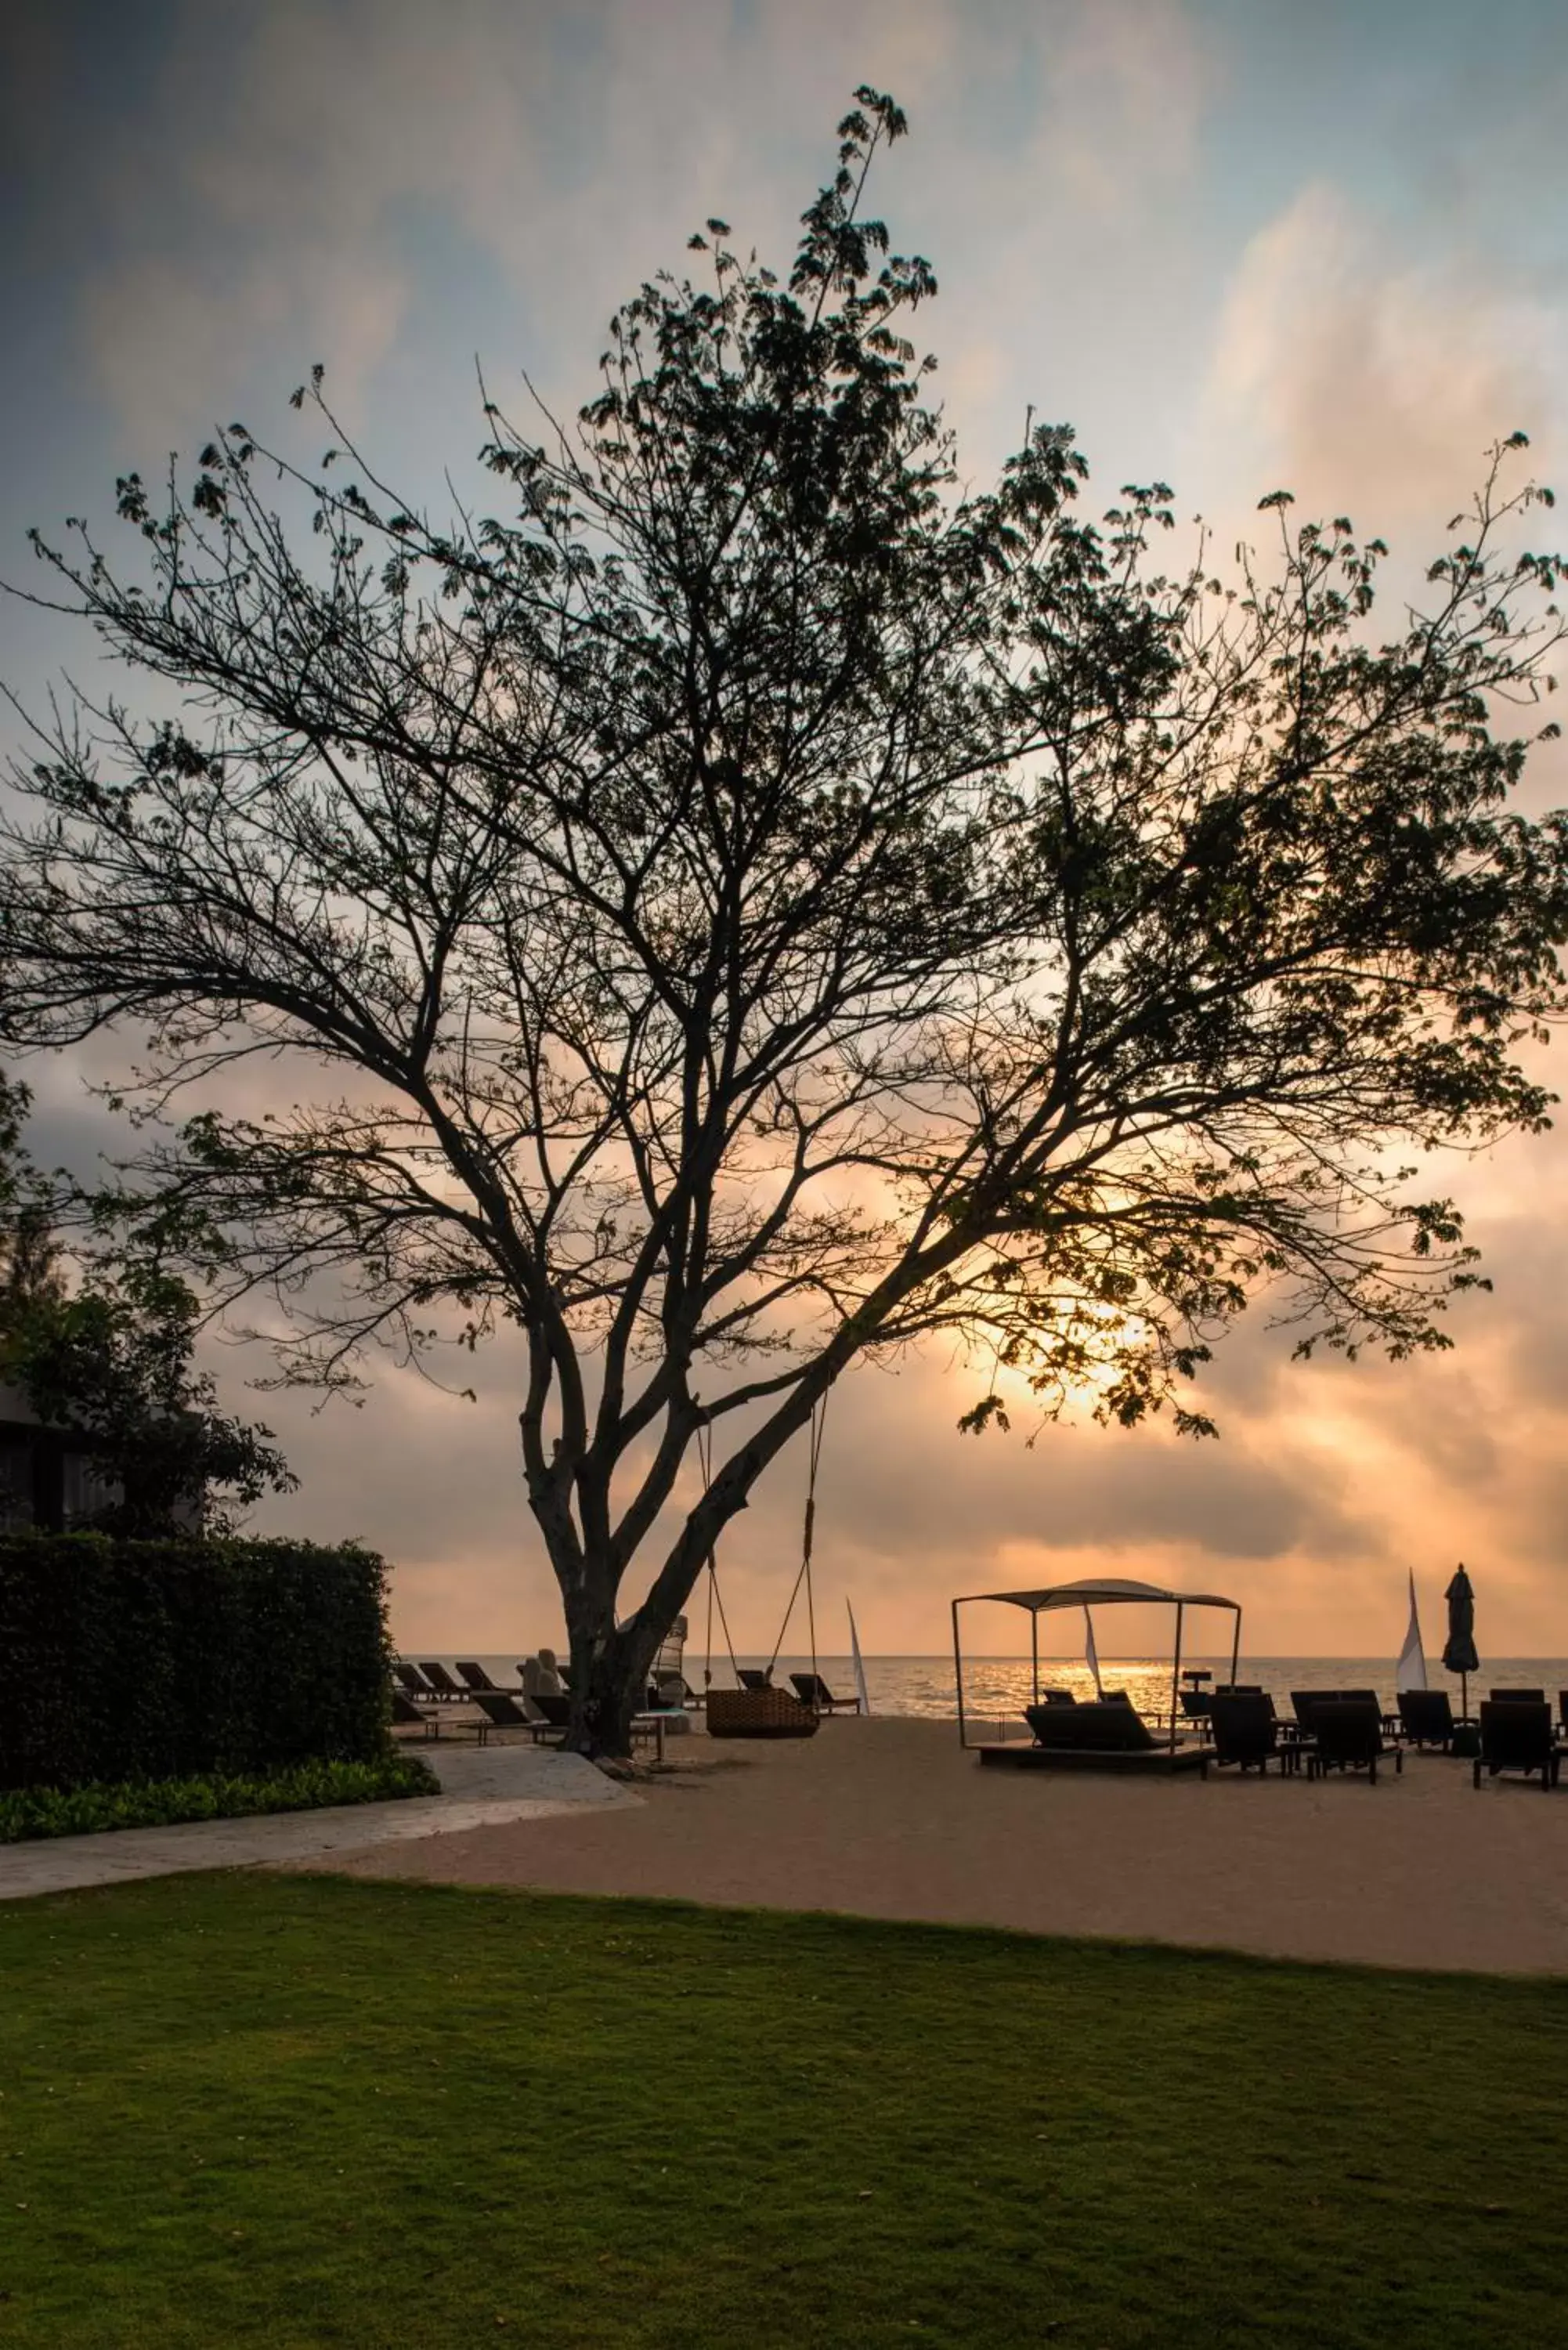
(244, 2110)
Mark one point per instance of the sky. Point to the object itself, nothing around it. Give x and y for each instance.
(1240, 245)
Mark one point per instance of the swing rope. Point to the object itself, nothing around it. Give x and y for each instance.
(818, 1424)
(705, 1463)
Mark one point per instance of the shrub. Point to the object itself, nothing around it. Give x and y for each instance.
(161, 1803)
(179, 1659)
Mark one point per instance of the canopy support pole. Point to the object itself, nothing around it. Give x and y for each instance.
(1034, 1649)
(958, 1676)
(1236, 1650)
(1176, 1675)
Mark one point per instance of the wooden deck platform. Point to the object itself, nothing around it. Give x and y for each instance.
(1144, 1760)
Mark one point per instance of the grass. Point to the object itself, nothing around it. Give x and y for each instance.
(35, 1812)
(258, 2110)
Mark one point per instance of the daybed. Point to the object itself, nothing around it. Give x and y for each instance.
(1107, 1735)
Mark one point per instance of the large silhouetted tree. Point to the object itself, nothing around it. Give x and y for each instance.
(755, 902)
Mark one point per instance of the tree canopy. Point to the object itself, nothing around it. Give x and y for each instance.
(754, 901)
(110, 1357)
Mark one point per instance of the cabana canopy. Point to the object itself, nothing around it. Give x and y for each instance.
(1093, 1591)
(1098, 1590)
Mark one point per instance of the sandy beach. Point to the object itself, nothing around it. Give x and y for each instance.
(888, 1818)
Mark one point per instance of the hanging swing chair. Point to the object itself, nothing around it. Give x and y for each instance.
(765, 1711)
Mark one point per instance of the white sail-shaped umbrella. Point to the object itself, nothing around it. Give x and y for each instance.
(861, 1691)
(1410, 1673)
(1091, 1654)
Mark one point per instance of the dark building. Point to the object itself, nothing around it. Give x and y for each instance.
(48, 1479)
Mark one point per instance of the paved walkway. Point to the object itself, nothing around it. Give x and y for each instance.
(482, 1787)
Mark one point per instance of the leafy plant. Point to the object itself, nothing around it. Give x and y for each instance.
(37, 1812)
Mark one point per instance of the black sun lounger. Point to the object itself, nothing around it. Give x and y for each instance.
(1427, 1716)
(1347, 1734)
(412, 1679)
(750, 1677)
(504, 1712)
(440, 1680)
(1245, 1730)
(406, 1715)
(813, 1690)
(556, 1712)
(1515, 1736)
(478, 1678)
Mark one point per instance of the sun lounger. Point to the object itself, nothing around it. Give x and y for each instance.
(1518, 1697)
(1427, 1716)
(750, 1678)
(1253, 1689)
(413, 1681)
(1102, 1735)
(1305, 1700)
(556, 1711)
(813, 1690)
(1515, 1736)
(502, 1712)
(406, 1715)
(1245, 1731)
(1393, 1728)
(441, 1680)
(1347, 1734)
(1195, 1705)
(477, 1677)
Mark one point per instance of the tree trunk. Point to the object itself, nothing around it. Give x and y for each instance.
(608, 1685)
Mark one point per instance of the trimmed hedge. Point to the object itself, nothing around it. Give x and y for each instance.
(156, 1661)
(165, 1802)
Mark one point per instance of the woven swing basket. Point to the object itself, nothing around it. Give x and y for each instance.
(758, 1713)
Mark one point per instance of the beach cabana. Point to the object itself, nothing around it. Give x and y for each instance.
(1093, 1591)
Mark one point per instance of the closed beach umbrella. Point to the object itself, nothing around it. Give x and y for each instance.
(1460, 1648)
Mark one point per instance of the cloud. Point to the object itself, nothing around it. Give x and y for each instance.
(266, 205)
(1371, 380)
(1125, 87)
(260, 210)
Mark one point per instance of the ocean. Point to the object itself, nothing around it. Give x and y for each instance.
(999, 1688)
